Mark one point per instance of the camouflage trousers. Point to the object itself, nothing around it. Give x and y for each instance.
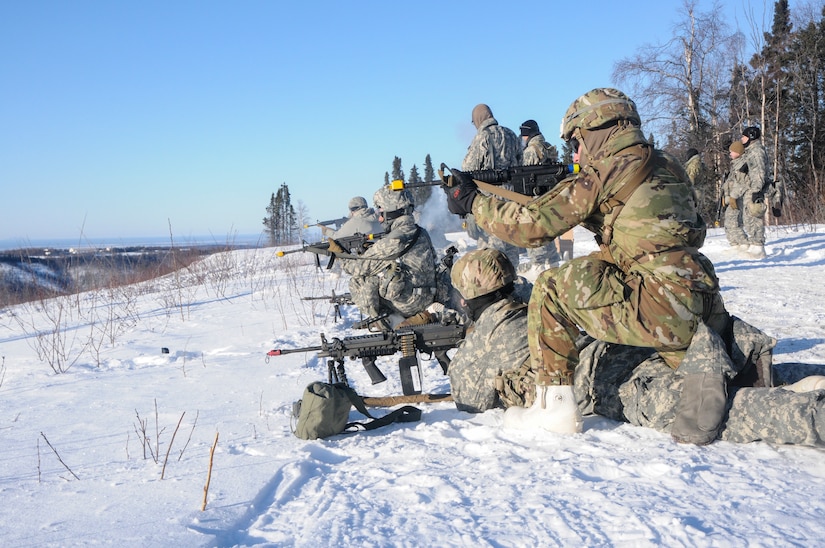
(741, 227)
(374, 295)
(635, 385)
(650, 397)
(595, 296)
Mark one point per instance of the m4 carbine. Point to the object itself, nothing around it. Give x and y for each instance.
(530, 181)
(353, 247)
(433, 339)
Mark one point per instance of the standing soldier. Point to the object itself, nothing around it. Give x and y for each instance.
(493, 147)
(753, 215)
(538, 151)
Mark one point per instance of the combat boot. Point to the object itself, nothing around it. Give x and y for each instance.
(554, 410)
(814, 382)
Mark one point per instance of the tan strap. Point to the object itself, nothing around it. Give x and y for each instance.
(502, 192)
(389, 401)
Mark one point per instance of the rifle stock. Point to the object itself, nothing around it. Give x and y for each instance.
(433, 339)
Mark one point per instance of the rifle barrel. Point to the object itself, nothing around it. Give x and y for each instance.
(281, 352)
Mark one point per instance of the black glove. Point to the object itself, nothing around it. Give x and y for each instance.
(461, 193)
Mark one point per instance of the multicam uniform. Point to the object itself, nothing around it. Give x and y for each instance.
(493, 147)
(649, 286)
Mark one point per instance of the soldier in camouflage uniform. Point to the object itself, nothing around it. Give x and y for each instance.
(491, 369)
(635, 385)
(396, 275)
(362, 220)
(537, 151)
(485, 280)
(493, 147)
(733, 190)
(753, 214)
(695, 169)
(648, 286)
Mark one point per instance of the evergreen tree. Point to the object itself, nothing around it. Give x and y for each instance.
(281, 224)
(397, 172)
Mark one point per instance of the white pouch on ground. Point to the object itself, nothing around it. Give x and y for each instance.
(554, 409)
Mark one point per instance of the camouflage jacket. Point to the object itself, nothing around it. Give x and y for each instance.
(757, 160)
(493, 147)
(657, 233)
(538, 151)
(737, 183)
(397, 263)
(693, 168)
(497, 342)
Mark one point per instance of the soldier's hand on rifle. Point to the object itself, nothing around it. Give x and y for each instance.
(460, 193)
(335, 247)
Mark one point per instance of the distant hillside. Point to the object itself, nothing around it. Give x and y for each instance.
(30, 274)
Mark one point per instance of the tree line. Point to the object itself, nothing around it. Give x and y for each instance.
(700, 90)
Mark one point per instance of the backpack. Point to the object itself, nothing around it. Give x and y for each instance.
(323, 411)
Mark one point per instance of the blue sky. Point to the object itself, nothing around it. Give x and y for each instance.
(119, 119)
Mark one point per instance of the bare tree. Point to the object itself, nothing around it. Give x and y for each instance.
(680, 85)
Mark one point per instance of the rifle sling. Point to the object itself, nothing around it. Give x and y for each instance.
(408, 413)
(502, 192)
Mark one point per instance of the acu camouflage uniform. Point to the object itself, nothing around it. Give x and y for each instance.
(538, 152)
(735, 188)
(485, 279)
(397, 273)
(753, 214)
(493, 147)
(649, 286)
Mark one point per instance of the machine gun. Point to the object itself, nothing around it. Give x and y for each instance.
(353, 246)
(433, 339)
(530, 181)
(336, 300)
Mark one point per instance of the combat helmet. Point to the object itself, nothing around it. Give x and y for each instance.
(598, 108)
(481, 272)
(356, 203)
(391, 200)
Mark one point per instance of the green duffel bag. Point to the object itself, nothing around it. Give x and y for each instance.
(323, 411)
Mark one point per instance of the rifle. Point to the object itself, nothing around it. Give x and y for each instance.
(433, 339)
(529, 181)
(336, 222)
(337, 300)
(353, 246)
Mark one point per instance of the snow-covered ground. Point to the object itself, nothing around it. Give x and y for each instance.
(115, 451)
